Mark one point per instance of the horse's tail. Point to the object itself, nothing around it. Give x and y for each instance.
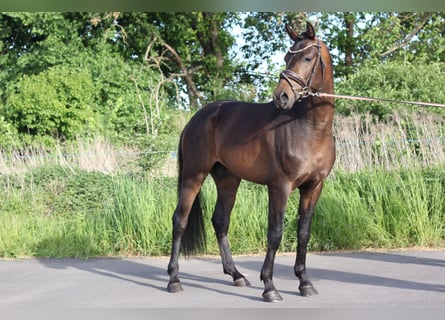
(194, 238)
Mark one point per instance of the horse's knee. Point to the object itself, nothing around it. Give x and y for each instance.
(220, 222)
(274, 243)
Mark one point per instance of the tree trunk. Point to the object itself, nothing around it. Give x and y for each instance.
(214, 33)
(210, 45)
(349, 19)
(193, 92)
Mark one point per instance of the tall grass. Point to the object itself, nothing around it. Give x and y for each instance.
(96, 154)
(403, 140)
(400, 208)
(130, 215)
(139, 218)
(386, 191)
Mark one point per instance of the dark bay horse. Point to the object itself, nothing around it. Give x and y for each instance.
(284, 144)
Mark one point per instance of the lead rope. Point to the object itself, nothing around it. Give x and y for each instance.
(341, 96)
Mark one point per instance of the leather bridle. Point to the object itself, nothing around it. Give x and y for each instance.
(292, 77)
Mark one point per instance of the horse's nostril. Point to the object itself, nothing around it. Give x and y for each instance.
(284, 98)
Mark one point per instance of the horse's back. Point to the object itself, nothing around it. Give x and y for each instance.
(229, 116)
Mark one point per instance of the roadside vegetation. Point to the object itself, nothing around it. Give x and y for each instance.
(97, 201)
(92, 106)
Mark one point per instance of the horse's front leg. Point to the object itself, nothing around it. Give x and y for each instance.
(277, 206)
(308, 201)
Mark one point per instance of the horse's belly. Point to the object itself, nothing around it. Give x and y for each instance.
(247, 164)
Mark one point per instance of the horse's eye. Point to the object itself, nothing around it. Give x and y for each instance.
(308, 58)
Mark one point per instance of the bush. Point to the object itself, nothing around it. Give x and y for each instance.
(8, 135)
(56, 102)
(70, 191)
(94, 92)
(391, 80)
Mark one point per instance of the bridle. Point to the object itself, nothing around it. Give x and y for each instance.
(292, 77)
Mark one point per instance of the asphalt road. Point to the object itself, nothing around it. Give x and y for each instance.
(344, 280)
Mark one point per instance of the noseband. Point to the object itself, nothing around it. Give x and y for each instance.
(292, 78)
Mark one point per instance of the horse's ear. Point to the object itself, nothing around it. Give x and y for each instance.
(310, 30)
(291, 32)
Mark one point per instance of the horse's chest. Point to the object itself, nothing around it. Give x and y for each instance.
(307, 158)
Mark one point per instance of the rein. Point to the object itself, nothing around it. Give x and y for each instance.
(332, 95)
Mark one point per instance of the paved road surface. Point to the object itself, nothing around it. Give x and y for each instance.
(344, 280)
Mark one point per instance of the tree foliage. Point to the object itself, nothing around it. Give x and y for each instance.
(394, 80)
(383, 36)
(126, 75)
(66, 84)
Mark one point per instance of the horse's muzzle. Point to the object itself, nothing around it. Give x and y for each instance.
(284, 100)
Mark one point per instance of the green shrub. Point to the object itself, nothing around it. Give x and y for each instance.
(391, 80)
(58, 102)
(68, 191)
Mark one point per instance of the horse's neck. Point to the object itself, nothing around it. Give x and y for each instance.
(319, 115)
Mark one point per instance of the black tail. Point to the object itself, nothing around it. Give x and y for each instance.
(194, 238)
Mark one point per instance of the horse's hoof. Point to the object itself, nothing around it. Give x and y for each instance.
(241, 282)
(308, 290)
(272, 296)
(174, 287)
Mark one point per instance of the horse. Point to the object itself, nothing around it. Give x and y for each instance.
(284, 144)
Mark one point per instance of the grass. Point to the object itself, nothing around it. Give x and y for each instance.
(386, 191)
(128, 215)
(379, 209)
(403, 140)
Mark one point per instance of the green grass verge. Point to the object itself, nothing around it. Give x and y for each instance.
(54, 212)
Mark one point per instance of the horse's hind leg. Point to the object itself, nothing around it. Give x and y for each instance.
(227, 185)
(189, 190)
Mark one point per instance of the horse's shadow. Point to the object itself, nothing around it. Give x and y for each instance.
(142, 273)
(285, 272)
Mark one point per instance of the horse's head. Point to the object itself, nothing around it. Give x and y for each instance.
(305, 68)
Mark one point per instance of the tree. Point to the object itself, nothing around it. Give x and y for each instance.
(407, 36)
(132, 67)
(264, 36)
(31, 42)
(383, 36)
(342, 32)
(195, 45)
(198, 44)
(387, 55)
(66, 78)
